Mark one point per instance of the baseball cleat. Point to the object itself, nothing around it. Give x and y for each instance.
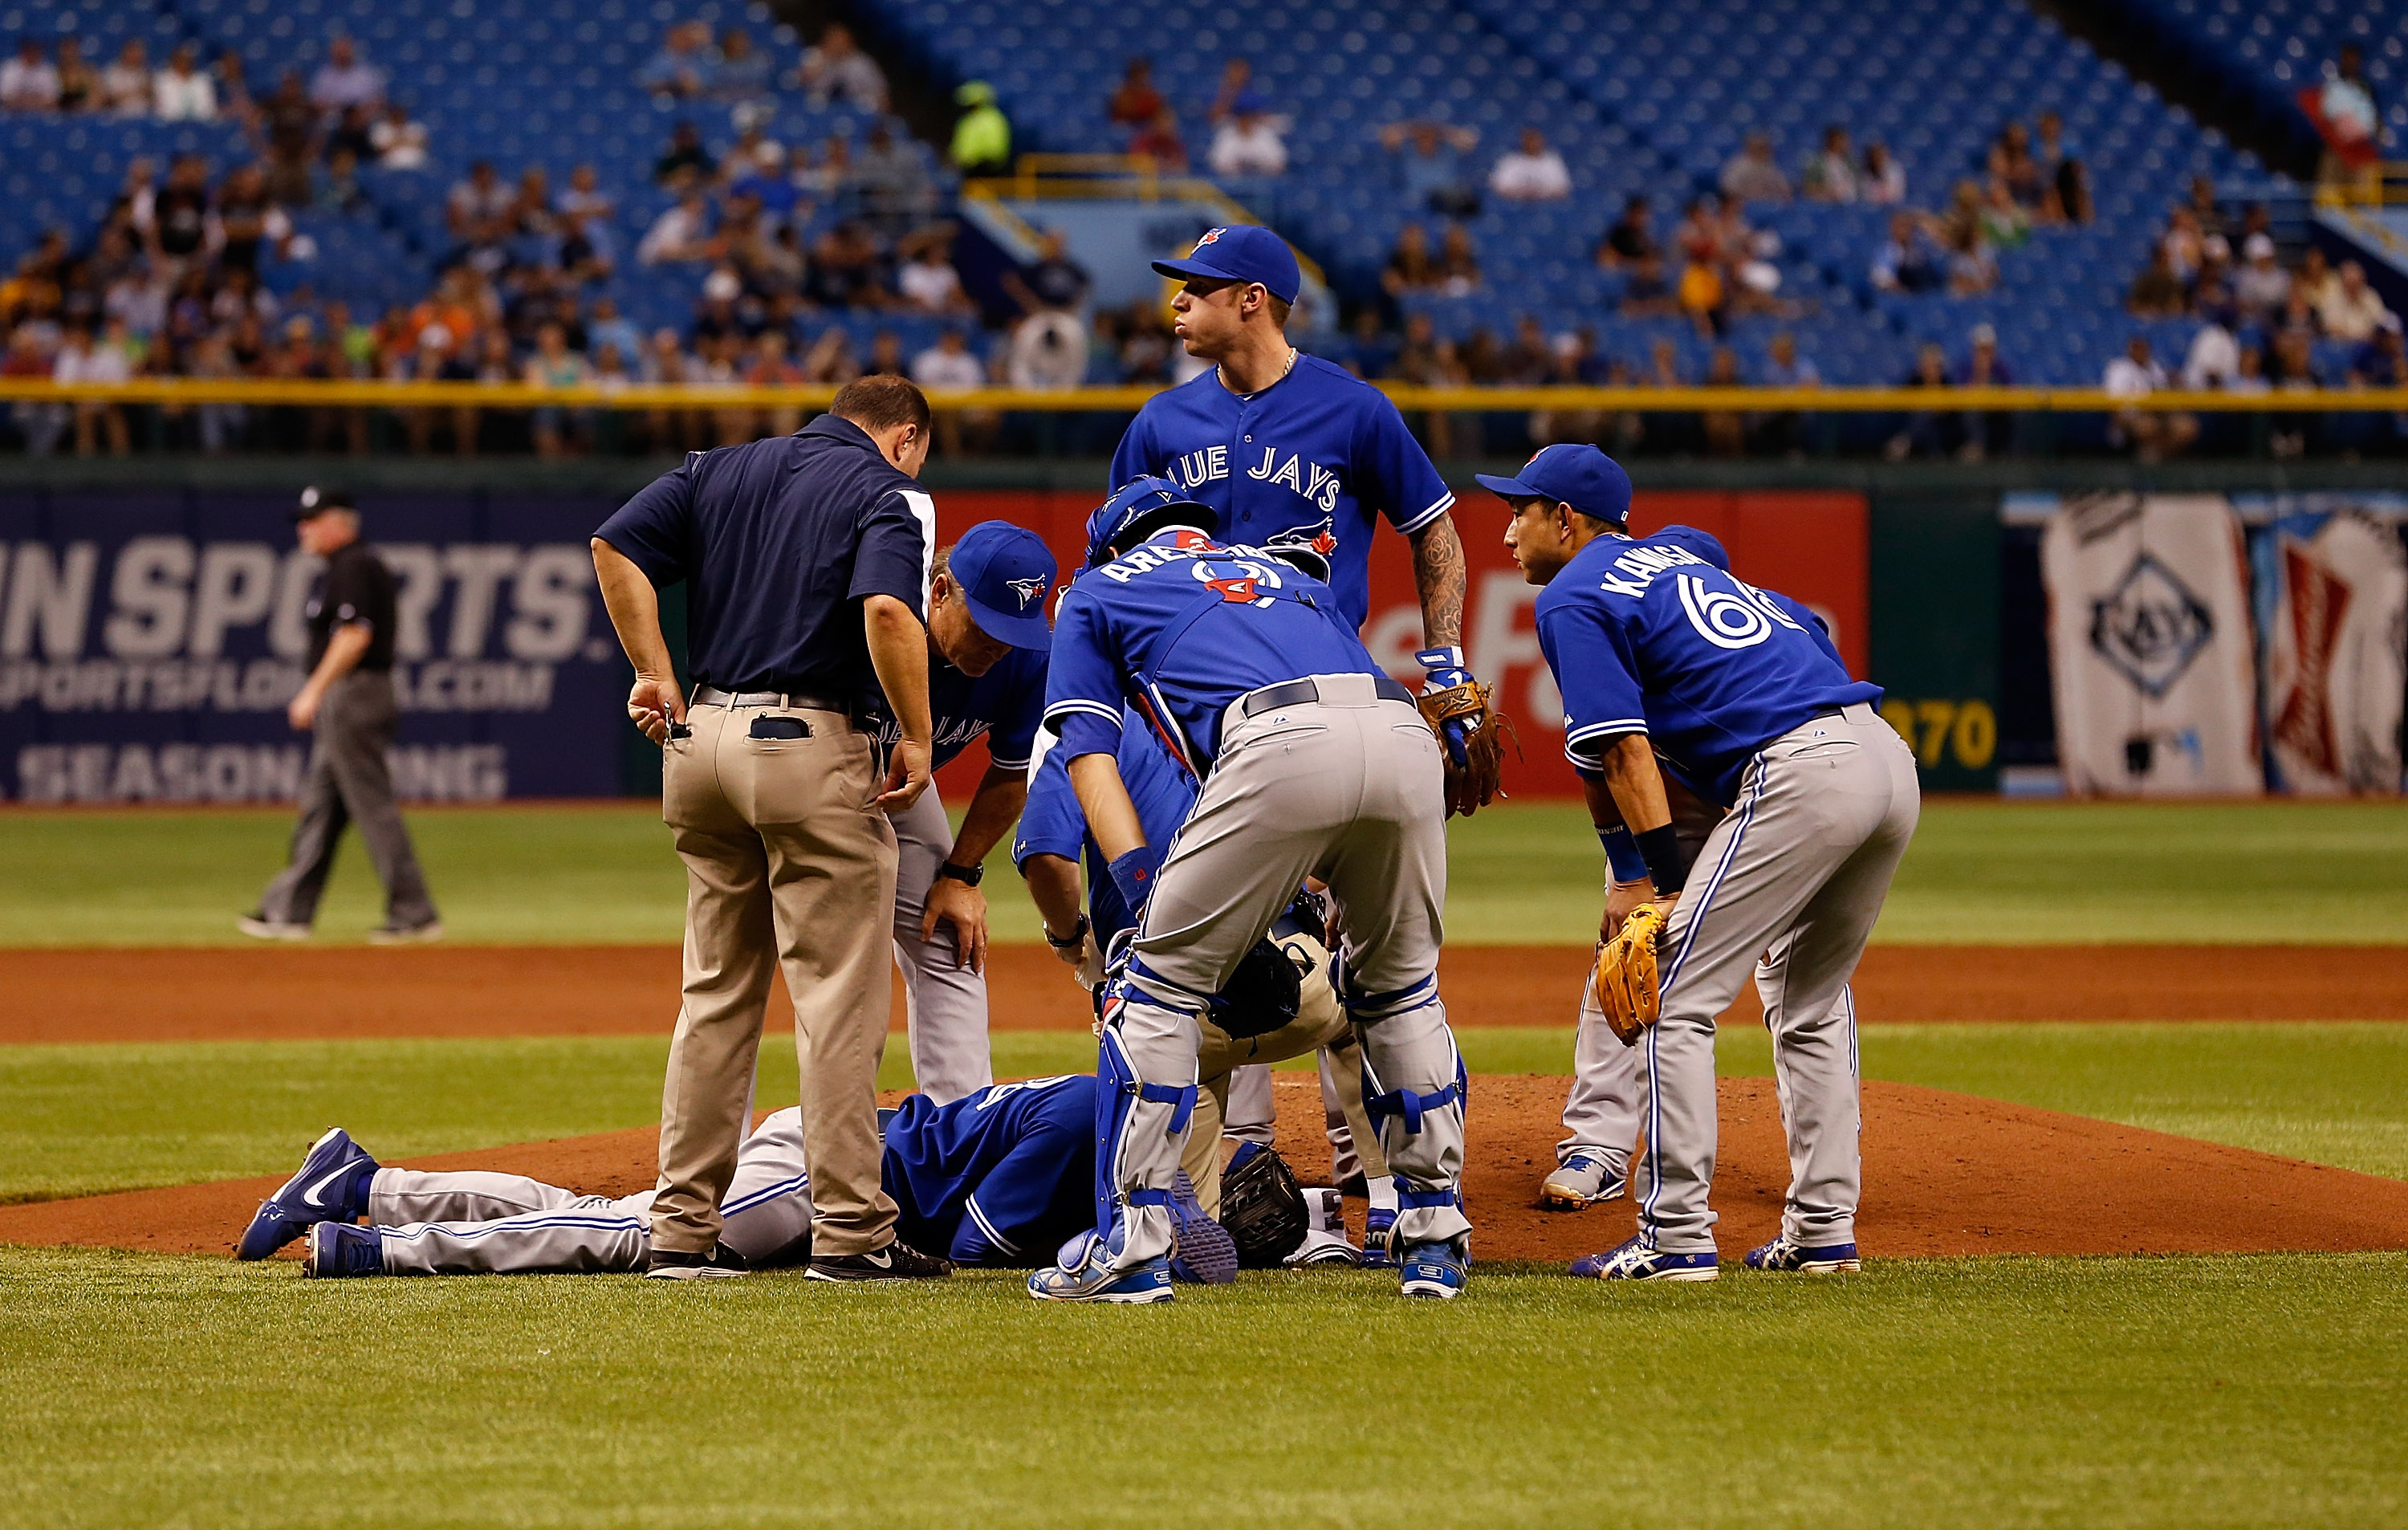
(329, 1188)
(1201, 1249)
(1091, 1280)
(1579, 1181)
(338, 1250)
(1379, 1225)
(721, 1263)
(897, 1261)
(260, 927)
(406, 935)
(1782, 1254)
(1433, 1270)
(1639, 1260)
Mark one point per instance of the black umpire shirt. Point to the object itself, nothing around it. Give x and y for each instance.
(358, 587)
(778, 540)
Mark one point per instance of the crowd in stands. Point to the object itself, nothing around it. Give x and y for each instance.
(788, 246)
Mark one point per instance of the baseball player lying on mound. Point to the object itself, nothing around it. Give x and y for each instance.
(1001, 1177)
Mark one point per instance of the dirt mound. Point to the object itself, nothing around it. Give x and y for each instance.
(271, 994)
(1945, 1174)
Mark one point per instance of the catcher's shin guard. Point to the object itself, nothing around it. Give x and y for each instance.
(1414, 1091)
(1142, 1120)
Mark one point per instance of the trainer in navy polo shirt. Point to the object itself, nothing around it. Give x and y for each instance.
(777, 541)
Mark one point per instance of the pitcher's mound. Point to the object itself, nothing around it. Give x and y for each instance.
(1944, 1175)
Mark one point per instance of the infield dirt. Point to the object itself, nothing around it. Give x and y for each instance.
(330, 991)
(1946, 1174)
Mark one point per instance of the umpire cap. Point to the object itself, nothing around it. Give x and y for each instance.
(320, 497)
(1137, 511)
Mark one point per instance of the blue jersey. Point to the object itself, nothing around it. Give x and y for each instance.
(1320, 456)
(1001, 1176)
(1177, 629)
(1053, 823)
(1655, 640)
(1007, 703)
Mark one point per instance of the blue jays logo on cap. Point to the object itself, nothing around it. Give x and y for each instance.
(1211, 235)
(1002, 571)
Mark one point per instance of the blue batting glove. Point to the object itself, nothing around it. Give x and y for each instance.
(1445, 669)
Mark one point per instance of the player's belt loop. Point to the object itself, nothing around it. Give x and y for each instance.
(1306, 692)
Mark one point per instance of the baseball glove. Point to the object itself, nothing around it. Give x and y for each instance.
(1470, 729)
(1261, 996)
(1623, 984)
(1263, 1208)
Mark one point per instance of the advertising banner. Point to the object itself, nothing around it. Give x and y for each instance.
(1812, 545)
(150, 640)
(2150, 647)
(2332, 593)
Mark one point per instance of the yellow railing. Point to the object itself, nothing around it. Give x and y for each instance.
(310, 393)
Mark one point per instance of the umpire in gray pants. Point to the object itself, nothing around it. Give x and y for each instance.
(348, 699)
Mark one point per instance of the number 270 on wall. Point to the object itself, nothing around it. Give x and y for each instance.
(1960, 733)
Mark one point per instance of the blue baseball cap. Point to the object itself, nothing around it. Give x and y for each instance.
(1003, 572)
(1581, 477)
(1690, 539)
(1137, 511)
(1242, 252)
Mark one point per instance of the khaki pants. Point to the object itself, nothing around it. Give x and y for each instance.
(786, 863)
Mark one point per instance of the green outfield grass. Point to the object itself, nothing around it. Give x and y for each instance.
(1979, 872)
(78, 1120)
(2025, 1391)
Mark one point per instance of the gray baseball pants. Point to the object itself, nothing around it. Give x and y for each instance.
(945, 1001)
(477, 1224)
(349, 781)
(1346, 789)
(1796, 874)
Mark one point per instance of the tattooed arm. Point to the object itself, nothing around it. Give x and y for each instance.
(1439, 575)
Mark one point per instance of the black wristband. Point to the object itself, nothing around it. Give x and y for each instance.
(1667, 867)
(1078, 935)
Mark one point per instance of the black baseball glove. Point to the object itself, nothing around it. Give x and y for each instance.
(1262, 1207)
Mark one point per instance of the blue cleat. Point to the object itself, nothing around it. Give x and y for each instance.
(323, 1191)
(1433, 1270)
(1379, 1228)
(1782, 1254)
(1201, 1249)
(339, 1251)
(1095, 1281)
(1639, 1260)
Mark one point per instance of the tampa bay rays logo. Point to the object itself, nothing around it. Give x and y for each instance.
(1029, 589)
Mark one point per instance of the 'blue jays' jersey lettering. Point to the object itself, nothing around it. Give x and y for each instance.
(1177, 629)
(1319, 456)
(1006, 703)
(1001, 1176)
(1053, 823)
(1655, 640)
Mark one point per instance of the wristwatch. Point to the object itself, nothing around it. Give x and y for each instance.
(1077, 937)
(969, 876)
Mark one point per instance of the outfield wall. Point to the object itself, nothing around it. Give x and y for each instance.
(151, 630)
